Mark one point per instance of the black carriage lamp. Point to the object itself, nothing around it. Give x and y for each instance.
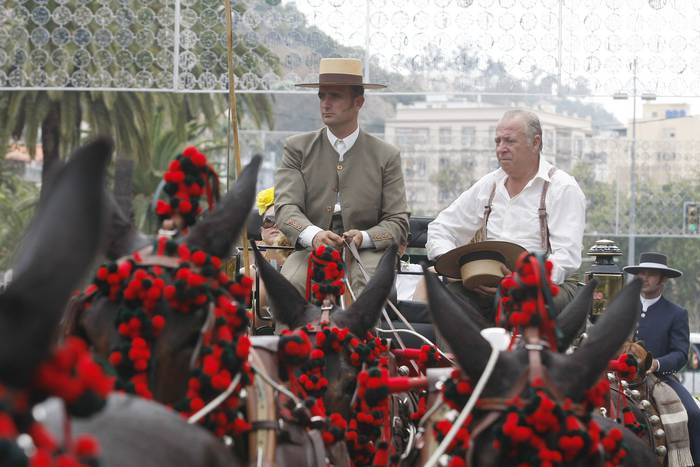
(608, 274)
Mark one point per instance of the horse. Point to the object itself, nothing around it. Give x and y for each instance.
(173, 350)
(636, 394)
(293, 311)
(58, 249)
(570, 376)
(180, 352)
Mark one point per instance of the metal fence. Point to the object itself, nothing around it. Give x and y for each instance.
(547, 47)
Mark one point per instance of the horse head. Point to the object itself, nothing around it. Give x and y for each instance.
(122, 237)
(173, 345)
(569, 375)
(292, 310)
(56, 252)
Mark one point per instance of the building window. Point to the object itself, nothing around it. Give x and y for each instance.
(411, 136)
(445, 136)
(468, 133)
(491, 140)
(444, 195)
(548, 141)
(414, 167)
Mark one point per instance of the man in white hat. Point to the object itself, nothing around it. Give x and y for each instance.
(340, 183)
(526, 201)
(663, 327)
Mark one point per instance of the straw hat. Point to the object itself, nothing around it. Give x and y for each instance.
(479, 263)
(654, 261)
(340, 72)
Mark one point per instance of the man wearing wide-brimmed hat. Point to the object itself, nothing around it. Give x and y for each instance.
(526, 202)
(340, 182)
(663, 327)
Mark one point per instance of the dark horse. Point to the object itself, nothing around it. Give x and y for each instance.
(292, 310)
(172, 350)
(57, 251)
(571, 375)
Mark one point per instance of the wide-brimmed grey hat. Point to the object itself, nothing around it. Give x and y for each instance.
(654, 261)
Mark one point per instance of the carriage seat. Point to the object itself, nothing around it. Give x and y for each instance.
(419, 231)
(417, 237)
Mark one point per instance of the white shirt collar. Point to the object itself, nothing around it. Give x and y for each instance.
(647, 302)
(349, 140)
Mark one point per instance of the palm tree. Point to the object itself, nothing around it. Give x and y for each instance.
(61, 119)
(17, 202)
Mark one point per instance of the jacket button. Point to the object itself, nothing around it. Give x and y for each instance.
(339, 167)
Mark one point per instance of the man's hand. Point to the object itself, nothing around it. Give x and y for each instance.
(491, 291)
(654, 366)
(353, 235)
(326, 237)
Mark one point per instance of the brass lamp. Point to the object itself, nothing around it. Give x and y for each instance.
(608, 274)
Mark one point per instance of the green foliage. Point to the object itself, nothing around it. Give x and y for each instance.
(166, 142)
(18, 200)
(658, 208)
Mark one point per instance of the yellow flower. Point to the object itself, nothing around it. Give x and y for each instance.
(265, 199)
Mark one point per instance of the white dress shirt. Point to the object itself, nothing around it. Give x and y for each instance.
(516, 219)
(341, 146)
(647, 302)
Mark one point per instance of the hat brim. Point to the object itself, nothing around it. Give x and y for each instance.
(666, 271)
(318, 85)
(449, 263)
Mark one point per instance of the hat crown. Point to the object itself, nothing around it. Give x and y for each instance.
(341, 66)
(341, 72)
(658, 258)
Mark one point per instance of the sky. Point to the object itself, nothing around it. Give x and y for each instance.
(597, 40)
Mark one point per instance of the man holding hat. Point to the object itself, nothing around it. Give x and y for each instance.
(663, 327)
(340, 183)
(526, 204)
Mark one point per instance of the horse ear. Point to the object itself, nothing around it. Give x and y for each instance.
(363, 315)
(582, 368)
(216, 233)
(287, 303)
(121, 236)
(572, 319)
(56, 252)
(462, 335)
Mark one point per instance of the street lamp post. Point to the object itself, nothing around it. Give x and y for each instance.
(633, 165)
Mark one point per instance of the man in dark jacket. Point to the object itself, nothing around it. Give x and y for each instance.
(663, 326)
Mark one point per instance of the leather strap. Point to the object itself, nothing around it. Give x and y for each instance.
(544, 228)
(481, 234)
(265, 425)
(318, 447)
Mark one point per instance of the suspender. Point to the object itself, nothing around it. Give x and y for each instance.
(480, 234)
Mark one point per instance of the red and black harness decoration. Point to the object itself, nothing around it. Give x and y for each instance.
(148, 288)
(188, 178)
(325, 275)
(367, 431)
(72, 375)
(626, 367)
(535, 424)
